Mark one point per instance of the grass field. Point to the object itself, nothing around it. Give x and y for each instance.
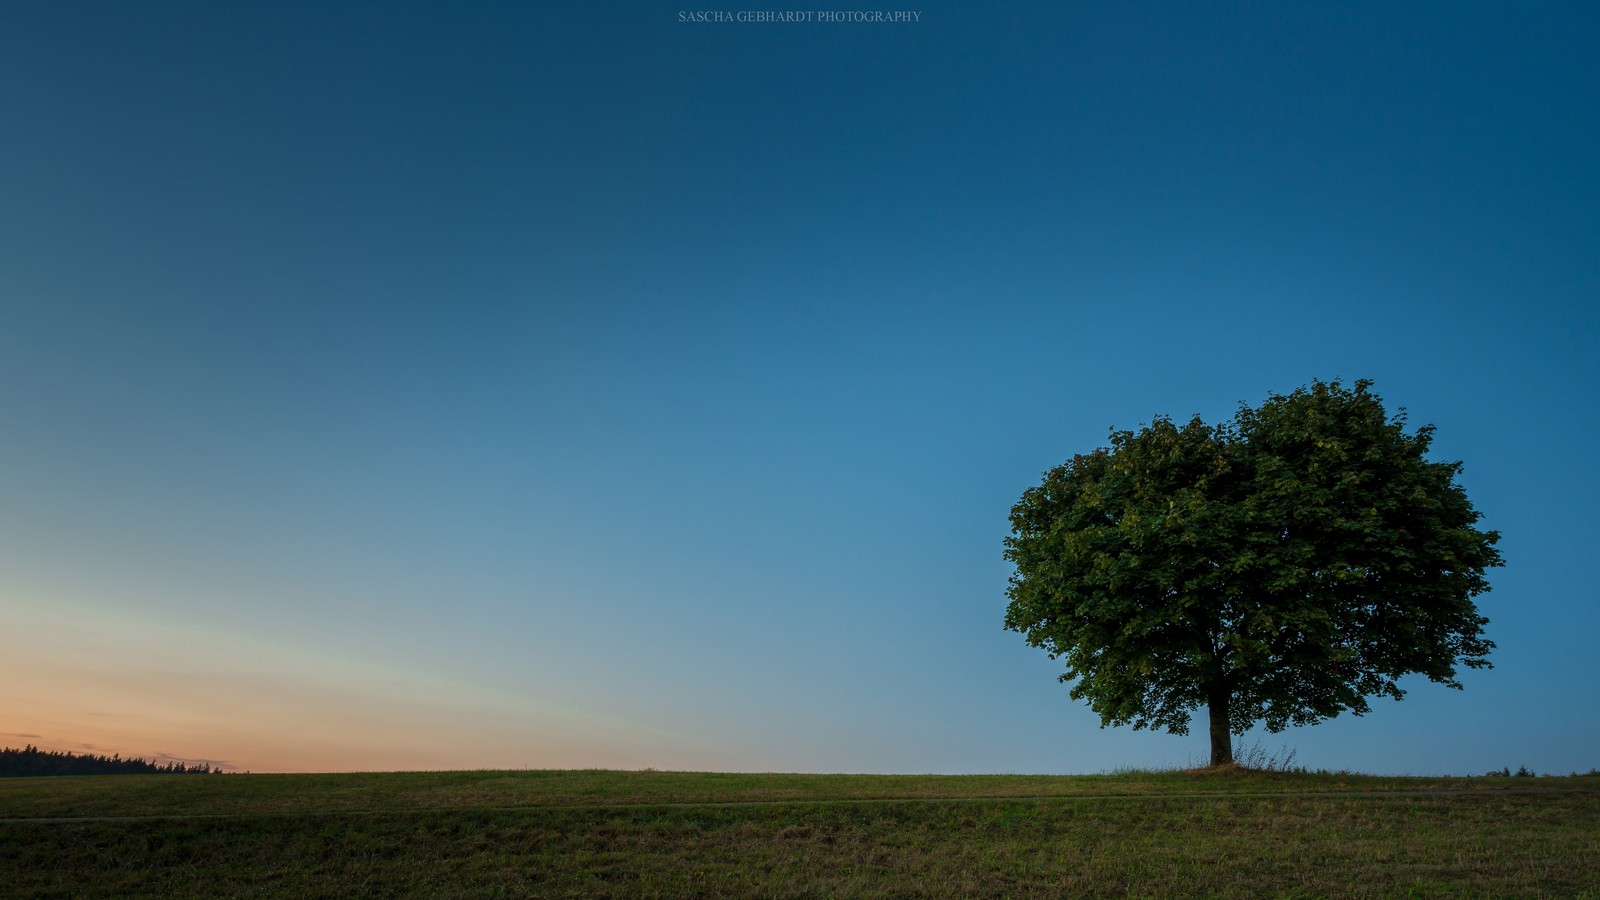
(602, 833)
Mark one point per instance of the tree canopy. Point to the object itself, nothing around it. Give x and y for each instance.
(1279, 568)
(30, 760)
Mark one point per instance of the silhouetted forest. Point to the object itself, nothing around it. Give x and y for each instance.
(30, 760)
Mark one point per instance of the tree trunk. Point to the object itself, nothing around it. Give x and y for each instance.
(1221, 737)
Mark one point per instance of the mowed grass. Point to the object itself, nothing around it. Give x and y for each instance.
(601, 833)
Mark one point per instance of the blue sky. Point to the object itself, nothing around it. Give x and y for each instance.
(499, 385)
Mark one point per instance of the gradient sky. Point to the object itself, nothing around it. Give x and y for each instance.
(426, 385)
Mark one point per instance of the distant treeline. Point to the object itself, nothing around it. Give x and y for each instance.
(30, 760)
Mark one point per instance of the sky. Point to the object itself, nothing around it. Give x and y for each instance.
(518, 385)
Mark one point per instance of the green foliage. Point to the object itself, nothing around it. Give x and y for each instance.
(1280, 568)
(30, 760)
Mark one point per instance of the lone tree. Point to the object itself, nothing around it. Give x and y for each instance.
(1279, 568)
